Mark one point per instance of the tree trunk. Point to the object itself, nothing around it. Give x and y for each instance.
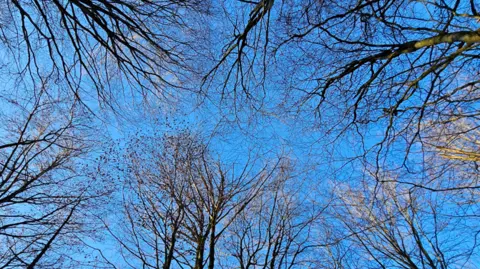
(211, 250)
(199, 253)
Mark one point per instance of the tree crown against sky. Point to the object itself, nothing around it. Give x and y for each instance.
(374, 102)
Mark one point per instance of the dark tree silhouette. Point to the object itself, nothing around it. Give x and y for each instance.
(104, 45)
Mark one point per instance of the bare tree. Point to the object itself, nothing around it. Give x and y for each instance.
(53, 54)
(385, 67)
(42, 139)
(375, 52)
(394, 88)
(179, 201)
(387, 225)
(277, 230)
(104, 45)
